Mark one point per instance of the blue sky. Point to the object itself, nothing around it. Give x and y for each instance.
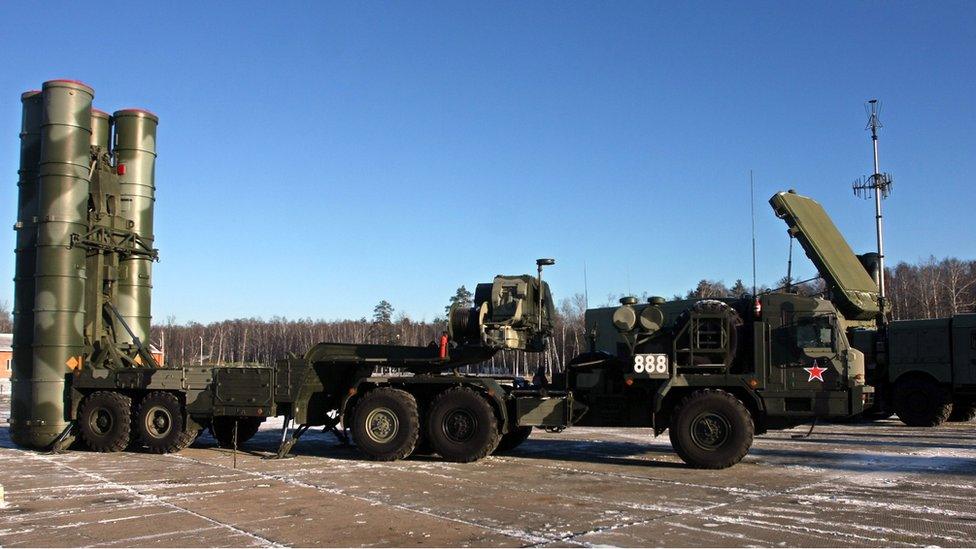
(315, 158)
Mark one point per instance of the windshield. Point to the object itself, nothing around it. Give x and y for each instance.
(815, 332)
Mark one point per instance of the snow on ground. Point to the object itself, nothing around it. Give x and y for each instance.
(850, 485)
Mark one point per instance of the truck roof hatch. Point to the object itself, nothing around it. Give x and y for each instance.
(854, 291)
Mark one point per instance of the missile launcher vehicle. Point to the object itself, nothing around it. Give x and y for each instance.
(711, 372)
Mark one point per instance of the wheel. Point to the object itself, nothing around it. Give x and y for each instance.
(159, 424)
(963, 410)
(921, 402)
(513, 439)
(222, 429)
(105, 421)
(711, 429)
(386, 424)
(462, 425)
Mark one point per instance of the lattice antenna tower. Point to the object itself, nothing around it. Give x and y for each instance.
(877, 186)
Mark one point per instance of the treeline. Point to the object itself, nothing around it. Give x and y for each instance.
(932, 288)
(928, 289)
(258, 341)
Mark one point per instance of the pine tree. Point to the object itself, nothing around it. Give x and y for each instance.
(462, 297)
(383, 313)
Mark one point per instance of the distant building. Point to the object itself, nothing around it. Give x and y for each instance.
(7, 355)
(156, 353)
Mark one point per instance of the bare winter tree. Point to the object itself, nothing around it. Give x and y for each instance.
(927, 289)
(6, 324)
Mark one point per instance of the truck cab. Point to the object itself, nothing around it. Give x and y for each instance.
(787, 360)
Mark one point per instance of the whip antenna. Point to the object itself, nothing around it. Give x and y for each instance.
(878, 186)
(752, 208)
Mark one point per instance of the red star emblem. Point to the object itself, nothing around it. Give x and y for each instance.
(816, 372)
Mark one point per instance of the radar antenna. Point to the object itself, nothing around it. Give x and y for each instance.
(877, 186)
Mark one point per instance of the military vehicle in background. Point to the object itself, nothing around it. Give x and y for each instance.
(712, 372)
(922, 370)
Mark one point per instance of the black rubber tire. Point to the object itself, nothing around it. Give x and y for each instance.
(462, 426)
(704, 415)
(921, 402)
(159, 424)
(963, 410)
(386, 424)
(512, 439)
(222, 429)
(105, 421)
(482, 293)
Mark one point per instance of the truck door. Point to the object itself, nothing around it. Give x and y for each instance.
(821, 366)
(805, 354)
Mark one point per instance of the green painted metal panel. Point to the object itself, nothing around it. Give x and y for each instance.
(964, 349)
(920, 346)
(855, 292)
(135, 149)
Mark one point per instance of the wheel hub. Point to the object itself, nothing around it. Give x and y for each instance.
(459, 425)
(382, 425)
(158, 422)
(917, 402)
(710, 431)
(102, 421)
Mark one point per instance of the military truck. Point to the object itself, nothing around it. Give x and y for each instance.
(714, 372)
(922, 370)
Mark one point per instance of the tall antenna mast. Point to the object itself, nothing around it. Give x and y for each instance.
(878, 186)
(752, 208)
(586, 288)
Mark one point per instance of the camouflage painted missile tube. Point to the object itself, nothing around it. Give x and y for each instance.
(59, 276)
(135, 148)
(101, 128)
(26, 255)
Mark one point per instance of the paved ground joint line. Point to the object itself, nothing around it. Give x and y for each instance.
(150, 498)
(526, 537)
(745, 497)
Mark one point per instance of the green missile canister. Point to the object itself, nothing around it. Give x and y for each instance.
(59, 274)
(26, 256)
(135, 156)
(101, 127)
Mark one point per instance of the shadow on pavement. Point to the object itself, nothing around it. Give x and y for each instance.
(872, 463)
